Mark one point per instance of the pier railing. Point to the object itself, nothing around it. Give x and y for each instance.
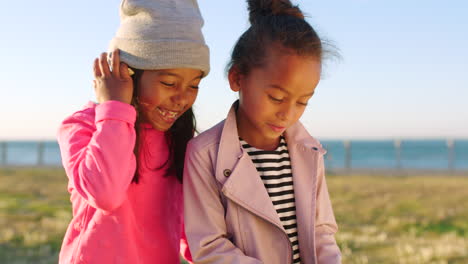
(443, 155)
(344, 157)
(29, 153)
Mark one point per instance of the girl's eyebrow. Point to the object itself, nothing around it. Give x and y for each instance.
(164, 73)
(168, 73)
(198, 77)
(279, 88)
(286, 91)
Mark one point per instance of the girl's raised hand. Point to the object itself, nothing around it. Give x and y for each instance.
(112, 84)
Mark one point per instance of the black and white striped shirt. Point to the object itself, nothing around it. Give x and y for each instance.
(275, 171)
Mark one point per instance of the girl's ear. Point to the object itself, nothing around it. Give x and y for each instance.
(234, 78)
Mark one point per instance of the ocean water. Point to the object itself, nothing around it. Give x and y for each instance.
(362, 154)
(25, 153)
(405, 154)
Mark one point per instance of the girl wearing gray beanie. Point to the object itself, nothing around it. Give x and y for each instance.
(124, 156)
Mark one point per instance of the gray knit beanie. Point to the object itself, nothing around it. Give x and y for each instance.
(161, 34)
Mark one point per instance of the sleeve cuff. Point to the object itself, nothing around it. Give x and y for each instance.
(115, 110)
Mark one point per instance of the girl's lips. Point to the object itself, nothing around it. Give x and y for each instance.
(278, 129)
(168, 115)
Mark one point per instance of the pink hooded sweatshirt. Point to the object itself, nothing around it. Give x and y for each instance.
(114, 220)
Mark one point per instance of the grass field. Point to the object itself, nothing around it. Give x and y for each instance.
(382, 219)
(421, 219)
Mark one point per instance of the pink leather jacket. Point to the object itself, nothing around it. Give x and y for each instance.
(229, 217)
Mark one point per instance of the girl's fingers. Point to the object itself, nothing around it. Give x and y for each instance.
(96, 68)
(124, 71)
(115, 62)
(103, 65)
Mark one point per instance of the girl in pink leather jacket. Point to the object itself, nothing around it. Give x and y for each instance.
(254, 185)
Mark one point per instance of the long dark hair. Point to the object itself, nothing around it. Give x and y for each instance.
(177, 136)
(274, 22)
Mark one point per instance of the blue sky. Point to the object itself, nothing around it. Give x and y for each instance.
(403, 73)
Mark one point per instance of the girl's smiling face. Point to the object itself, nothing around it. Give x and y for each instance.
(274, 96)
(164, 95)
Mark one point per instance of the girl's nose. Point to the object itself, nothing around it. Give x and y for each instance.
(180, 98)
(286, 112)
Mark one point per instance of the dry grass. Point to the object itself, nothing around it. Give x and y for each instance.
(381, 219)
(34, 213)
(401, 219)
